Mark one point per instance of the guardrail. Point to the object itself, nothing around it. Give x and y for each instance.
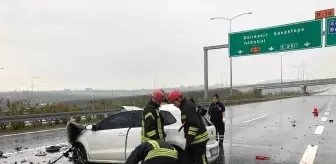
(34, 117)
(290, 84)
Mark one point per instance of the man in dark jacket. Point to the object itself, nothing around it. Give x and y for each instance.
(152, 121)
(216, 113)
(195, 131)
(153, 152)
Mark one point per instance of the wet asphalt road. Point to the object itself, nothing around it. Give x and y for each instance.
(266, 129)
(259, 129)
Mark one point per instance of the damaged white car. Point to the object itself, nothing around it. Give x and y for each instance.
(114, 138)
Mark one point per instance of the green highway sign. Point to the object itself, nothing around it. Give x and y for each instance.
(289, 37)
(330, 37)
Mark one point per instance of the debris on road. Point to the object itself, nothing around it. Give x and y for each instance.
(53, 149)
(41, 153)
(262, 158)
(18, 148)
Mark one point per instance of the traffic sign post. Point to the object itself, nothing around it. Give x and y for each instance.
(330, 37)
(289, 37)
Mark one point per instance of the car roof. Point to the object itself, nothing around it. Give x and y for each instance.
(169, 107)
(130, 108)
(164, 107)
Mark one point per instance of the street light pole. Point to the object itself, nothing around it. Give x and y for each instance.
(230, 21)
(230, 115)
(303, 70)
(281, 73)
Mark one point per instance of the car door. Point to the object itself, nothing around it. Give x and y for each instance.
(108, 141)
(134, 135)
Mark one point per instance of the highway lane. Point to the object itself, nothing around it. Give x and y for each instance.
(258, 129)
(32, 140)
(265, 129)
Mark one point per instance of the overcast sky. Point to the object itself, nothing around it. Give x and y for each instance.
(125, 44)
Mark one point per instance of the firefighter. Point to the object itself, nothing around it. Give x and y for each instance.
(153, 152)
(152, 121)
(216, 113)
(195, 131)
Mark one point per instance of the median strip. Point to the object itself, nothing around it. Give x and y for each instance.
(255, 119)
(309, 155)
(319, 129)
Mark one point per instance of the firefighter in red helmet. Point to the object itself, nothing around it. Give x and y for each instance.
(195, 132)
(152, 121)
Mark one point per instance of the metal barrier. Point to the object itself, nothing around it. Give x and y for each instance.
(21, 118)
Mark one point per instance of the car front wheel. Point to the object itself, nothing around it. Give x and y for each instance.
(79, 154)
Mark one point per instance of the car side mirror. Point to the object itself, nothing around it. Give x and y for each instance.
(94, 128)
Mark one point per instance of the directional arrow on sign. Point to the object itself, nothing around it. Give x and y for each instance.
(240, 51)
(307, 44)
(271, 48)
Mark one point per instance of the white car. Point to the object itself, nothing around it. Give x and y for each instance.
(114, 138)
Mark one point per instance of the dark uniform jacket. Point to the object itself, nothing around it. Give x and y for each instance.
(216, 112)
(194, 129)
(152, 123)
(153, 152)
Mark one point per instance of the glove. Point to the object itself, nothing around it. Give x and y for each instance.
(189, 140)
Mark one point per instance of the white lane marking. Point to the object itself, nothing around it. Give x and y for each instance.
(255, 119)
(309, 155)
(328, 109)
(324, 119)
(32, 132)
(38, 148)
(326, 113)
(319, 129)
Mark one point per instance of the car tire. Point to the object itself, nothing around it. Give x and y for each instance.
(79, 155)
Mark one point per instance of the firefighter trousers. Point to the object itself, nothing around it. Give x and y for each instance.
(195, 153)
(220, 129)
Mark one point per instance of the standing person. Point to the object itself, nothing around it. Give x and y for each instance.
(153, 152)
(216, 112)
(152, 121)
(195, 131)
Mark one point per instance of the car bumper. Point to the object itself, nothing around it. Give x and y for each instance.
(210, 146)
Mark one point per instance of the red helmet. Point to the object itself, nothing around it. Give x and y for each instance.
(173, 95)
(158, 95)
